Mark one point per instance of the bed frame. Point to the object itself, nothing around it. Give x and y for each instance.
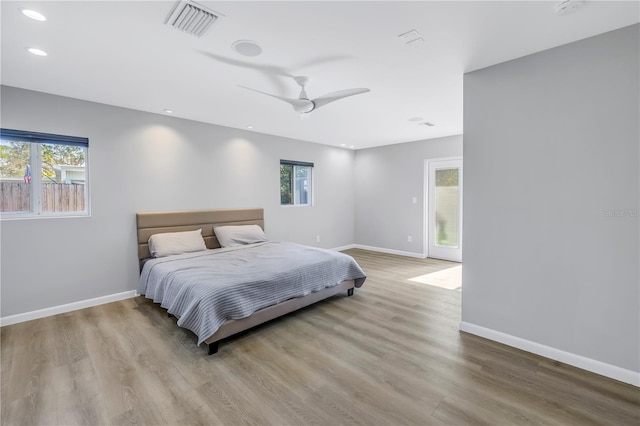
(159, 222)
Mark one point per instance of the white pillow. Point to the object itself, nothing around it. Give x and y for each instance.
(230, 236)
(170, 243)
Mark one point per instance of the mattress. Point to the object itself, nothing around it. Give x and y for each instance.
(206, 289)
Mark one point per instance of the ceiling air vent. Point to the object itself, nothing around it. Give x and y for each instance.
(192, 18)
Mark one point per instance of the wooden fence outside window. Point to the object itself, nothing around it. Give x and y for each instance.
(56, 197)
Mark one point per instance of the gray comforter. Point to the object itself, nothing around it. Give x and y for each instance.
(205, 289)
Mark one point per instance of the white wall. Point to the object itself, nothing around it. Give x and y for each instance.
(551, 146)
(148, 162)
(387, 178)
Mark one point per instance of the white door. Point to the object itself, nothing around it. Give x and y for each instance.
(444, 199)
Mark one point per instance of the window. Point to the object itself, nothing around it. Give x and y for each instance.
(295, 183)
(43, 174)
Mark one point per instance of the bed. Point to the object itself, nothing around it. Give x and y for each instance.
(221, 291)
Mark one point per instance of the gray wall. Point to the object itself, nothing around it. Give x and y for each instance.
(149, 162)
(551, 147)
(387, 178)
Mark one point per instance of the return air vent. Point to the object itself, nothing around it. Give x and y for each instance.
(192, 18)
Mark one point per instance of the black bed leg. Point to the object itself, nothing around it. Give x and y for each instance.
(213, 348)
(350, 292)
(169, 315)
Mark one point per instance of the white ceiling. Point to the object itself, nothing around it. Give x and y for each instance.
(121, 53)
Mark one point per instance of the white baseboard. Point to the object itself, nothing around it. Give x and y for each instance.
(592, 365)
(350, 246)
(390, 251)
(61, 309)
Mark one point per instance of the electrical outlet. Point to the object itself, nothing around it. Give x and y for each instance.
(409, 239)
(317, 238)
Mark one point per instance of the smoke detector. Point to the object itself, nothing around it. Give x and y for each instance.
(192, 18)
(567, 6)
(247, 48)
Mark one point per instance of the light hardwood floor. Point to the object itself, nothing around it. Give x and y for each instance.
(390, 355)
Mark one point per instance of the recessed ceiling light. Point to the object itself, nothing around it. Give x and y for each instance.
(36, 51)
(249, 126)
(34, 15)
(427, 124)
(352, 146)
(168, 111)
(343, 144)
(247, 48)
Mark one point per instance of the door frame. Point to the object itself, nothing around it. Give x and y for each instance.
(427, 196)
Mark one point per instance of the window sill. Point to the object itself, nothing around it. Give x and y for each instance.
(17, 216)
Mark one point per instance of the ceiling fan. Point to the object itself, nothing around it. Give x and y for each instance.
(303, 105)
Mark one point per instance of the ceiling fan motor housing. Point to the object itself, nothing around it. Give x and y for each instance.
(304, 107)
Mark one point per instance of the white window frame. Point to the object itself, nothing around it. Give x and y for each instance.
(296, 197)
(36, 140)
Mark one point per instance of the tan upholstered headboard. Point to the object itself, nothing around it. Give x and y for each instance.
(159, 222)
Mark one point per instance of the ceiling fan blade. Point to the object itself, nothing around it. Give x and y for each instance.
(334, 96)
(299, 105)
